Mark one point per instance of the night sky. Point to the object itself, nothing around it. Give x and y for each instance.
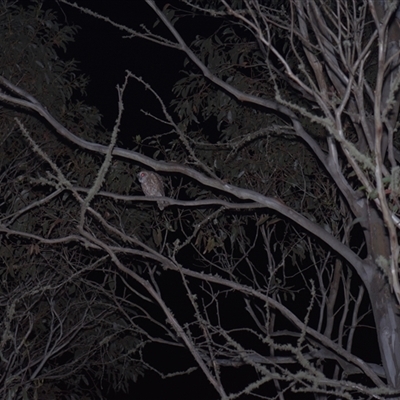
(105, 56)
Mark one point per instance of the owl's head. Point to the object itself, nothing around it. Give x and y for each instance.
(142, 176)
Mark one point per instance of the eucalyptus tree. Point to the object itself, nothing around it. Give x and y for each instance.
(275, 257)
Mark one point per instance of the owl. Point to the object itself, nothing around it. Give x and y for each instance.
(152, 185)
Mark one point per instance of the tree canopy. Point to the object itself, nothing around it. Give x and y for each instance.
(274, 265)
(61, 329)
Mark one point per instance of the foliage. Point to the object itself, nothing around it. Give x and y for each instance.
(62, 332)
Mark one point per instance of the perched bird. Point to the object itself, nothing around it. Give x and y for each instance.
(152, 185)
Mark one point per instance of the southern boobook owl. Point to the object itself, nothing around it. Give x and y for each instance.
(152, 185)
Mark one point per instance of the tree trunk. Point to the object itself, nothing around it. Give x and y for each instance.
(383, 302)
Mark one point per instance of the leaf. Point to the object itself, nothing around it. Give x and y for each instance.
(157, 237)
(210, 245)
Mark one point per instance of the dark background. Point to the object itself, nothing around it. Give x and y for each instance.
(105, 53)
